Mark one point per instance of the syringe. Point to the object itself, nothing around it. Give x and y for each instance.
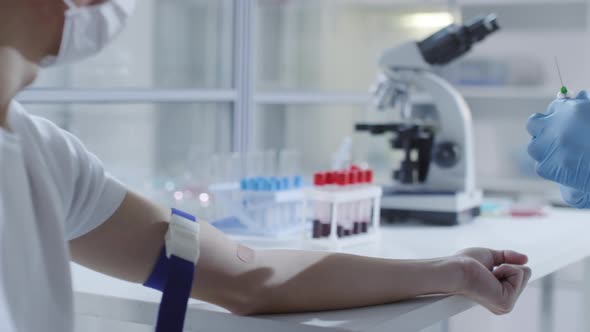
(563, 92)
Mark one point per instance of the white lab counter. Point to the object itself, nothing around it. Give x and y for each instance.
(551, 243)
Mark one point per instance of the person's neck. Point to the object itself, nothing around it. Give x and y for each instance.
(4, 117)
(16, 72)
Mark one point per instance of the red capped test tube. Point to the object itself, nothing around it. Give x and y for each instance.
(319, 181)
(341, 180)
(367, 205)
(356, 206)
(326, 221)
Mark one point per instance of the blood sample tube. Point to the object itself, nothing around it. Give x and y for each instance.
(348, 207)
(342, 210)
(367, 208)
(326, 220)
(319, 181)
(356, 207)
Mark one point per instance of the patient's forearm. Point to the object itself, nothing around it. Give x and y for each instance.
(318, 281)
(291, 281)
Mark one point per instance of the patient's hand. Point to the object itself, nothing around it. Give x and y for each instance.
(494, 279)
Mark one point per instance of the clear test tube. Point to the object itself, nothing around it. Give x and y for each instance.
(278, 207)
(235, 167)
(285, 183)
(297, 182)
(215, 171)
(252, 202)
(288, 211)
(235, 176)
(254, 162)
(278, 213)
(214, 175)
(269, 163)
(274, 207)
(288, 163)
(266, 202)
(296, 209)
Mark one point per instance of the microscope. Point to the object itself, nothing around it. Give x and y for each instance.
(435, 183)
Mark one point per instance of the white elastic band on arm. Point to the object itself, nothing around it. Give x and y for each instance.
(182, 239)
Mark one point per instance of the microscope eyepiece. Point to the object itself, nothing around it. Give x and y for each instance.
(481, 27)
(455, 40)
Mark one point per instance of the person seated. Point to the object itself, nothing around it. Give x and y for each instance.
(58, 203)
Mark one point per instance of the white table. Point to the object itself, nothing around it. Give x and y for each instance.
(551, 243)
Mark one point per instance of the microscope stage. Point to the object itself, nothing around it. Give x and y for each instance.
(430, 207)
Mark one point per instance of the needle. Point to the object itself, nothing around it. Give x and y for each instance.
(563, 87)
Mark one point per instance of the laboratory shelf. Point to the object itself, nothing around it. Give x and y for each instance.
(324, 98)
(518, 2)
(355, 98)
(393, 3)
(123, 95)
(360, 98)
(494, 92)
(312, 97)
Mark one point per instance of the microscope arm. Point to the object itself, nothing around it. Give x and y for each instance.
(405, 63)
(455, 126)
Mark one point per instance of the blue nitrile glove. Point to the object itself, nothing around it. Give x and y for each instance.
(575, 198)
(561, 146)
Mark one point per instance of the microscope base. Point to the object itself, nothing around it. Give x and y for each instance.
(429, 218)
(431, 208)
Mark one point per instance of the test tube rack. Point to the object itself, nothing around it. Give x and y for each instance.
(337, 200)
(262, 213)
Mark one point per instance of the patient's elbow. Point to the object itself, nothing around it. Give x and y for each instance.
(245, 310)
(250, 303)
(250, 291)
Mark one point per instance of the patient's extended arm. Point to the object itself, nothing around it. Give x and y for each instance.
(247, 281)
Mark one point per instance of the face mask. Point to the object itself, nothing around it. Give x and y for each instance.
(89, 29)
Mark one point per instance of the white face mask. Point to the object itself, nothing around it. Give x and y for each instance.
(89, 29)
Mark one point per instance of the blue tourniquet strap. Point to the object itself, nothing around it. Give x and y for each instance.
(184, 215)
(174, 277)
(175, 296)
(160, 272)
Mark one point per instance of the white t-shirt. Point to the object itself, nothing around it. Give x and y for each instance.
(51, 190)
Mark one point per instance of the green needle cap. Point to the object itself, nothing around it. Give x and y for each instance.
(563, 90)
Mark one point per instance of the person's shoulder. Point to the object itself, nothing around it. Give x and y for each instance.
(20, 120)
(31, 127)
(42, 135)
(16, 113)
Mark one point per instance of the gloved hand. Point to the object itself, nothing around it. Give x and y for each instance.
(575, 198)
(561, 146)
